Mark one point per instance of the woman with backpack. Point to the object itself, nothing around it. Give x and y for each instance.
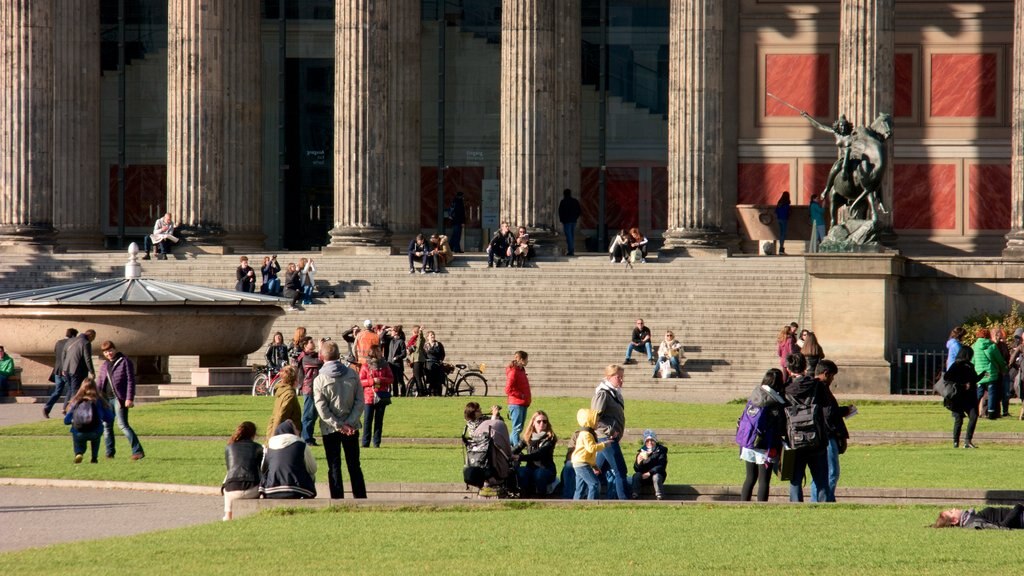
(759, 434)
(86, 415)
(243, 457)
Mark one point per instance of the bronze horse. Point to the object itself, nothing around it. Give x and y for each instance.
(856, 180)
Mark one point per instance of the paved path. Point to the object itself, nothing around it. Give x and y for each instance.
(34, 516)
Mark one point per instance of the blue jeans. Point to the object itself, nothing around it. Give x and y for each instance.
(61, 387)
(535, 480)
(672, 360)
(818, 463)
(783, 227)
(456, 237)
(79, 439)
(272, 287)
(613, 468)
(307, 294)
(833, 473)
(568, 480)
(586, 480)
(121, 418)
(373, 423)
(517, 414)
(309, 416)
(570, 237)
(643, 347)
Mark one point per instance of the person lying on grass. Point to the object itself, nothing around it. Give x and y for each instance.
(994, 517)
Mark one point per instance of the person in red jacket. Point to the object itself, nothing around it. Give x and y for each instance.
(517, 388)
(375, 376)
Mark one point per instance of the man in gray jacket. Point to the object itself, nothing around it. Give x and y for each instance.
(338, 397)
(61, 386)
(77, 364)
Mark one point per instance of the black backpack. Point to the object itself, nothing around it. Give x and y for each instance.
(478, 467)
(805, 424)
(83, 418)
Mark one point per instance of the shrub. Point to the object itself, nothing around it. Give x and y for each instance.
(1010, 321)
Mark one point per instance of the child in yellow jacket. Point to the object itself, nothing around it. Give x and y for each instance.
(584, 456)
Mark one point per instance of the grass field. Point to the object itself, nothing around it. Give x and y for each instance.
(522, 538)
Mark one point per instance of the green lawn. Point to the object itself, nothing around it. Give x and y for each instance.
(442, 417)
(519, 538)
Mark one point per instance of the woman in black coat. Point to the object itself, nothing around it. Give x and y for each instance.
(965, 401)
(536, 450)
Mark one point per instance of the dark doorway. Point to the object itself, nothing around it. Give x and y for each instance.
(309, 200)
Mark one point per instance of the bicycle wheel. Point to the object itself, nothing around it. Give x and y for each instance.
(259, 385)
(471, 384)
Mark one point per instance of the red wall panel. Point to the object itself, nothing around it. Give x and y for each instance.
(924, 196)
(761, 183)
(989, 186)
(803, 80)
(963, 85)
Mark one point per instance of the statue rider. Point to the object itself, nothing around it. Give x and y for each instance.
(842, 129)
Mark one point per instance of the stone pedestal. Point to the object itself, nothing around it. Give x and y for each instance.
(76, 123)
(26, 123)
(361, 100)
(854, 310)
(695, 123)
(866, 79)
(195, 118)
(528, 117)
(1015, 239)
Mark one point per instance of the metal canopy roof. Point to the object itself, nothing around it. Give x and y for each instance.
(134, 292)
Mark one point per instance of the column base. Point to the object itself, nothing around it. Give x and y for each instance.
(27, 239)
(359, 241)
(208, 239)
(1014, 249)
(699, 243)
(83, 240)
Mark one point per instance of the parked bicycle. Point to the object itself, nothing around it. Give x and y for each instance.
(460, 380)
(265, 380)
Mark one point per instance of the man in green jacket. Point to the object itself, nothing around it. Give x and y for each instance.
(6, 371)
(990, 364)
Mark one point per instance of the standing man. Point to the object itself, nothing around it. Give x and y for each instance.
(365, 340)
(804, 389)
(6, 371)
(77, 362)
(396, 354)
(568, 214)
(162, 236)
(457, 213)
(339, 403)
(641, 342)
(610, 408)
(835, 415)
(60, 380)
(116, 383)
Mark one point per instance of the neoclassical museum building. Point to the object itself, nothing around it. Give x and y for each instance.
(352, 124)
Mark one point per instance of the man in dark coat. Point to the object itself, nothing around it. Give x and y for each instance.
(61, 386)
(457, 213)
(568, 214)
(77, 363)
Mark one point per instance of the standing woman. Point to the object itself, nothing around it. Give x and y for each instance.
(999, 338)
(759, 457)
(964, 403)
(417, 359)
(537, 450)
(782, 215)
(286, 403)
(784, 348)
(375, 376)
(953, 345)
(812, 351)
(517, 389)
(86, 415)
(308, 280)
(295, 348)
(243, 457)
(434, 363)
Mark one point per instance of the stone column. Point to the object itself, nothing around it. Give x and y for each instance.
(695, 124)
(26, 123)
(195, 118)
(404, 119)
(528, 117)
(76, 123)
(360, 124)
(1015, 239)
(866, 77)
(568, 96)
(242, 217)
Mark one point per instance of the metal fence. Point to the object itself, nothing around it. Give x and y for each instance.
(916, 369)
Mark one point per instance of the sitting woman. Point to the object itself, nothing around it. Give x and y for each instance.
(289, 469)
(619, 248)
(650, 466)
(637, 246)
(521, 251)
(538, 477)
(243, 458)
(86, 415)
(444, 251)
(670, 353)
(997, 517)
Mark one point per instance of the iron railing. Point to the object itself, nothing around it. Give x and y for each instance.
(917, 369)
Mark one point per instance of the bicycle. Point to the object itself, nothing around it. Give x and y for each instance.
(467, 380)
(265, 380)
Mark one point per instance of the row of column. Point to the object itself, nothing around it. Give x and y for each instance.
(50, 94)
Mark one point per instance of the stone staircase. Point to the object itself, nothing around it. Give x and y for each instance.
(573, 316)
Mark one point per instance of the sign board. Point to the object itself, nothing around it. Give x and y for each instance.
(490, 203)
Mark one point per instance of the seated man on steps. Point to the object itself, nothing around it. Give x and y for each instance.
(161, 238)
(500, 247)
(641, 342)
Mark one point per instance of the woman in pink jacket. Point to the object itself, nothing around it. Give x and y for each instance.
(375, 376)
(517, 388)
